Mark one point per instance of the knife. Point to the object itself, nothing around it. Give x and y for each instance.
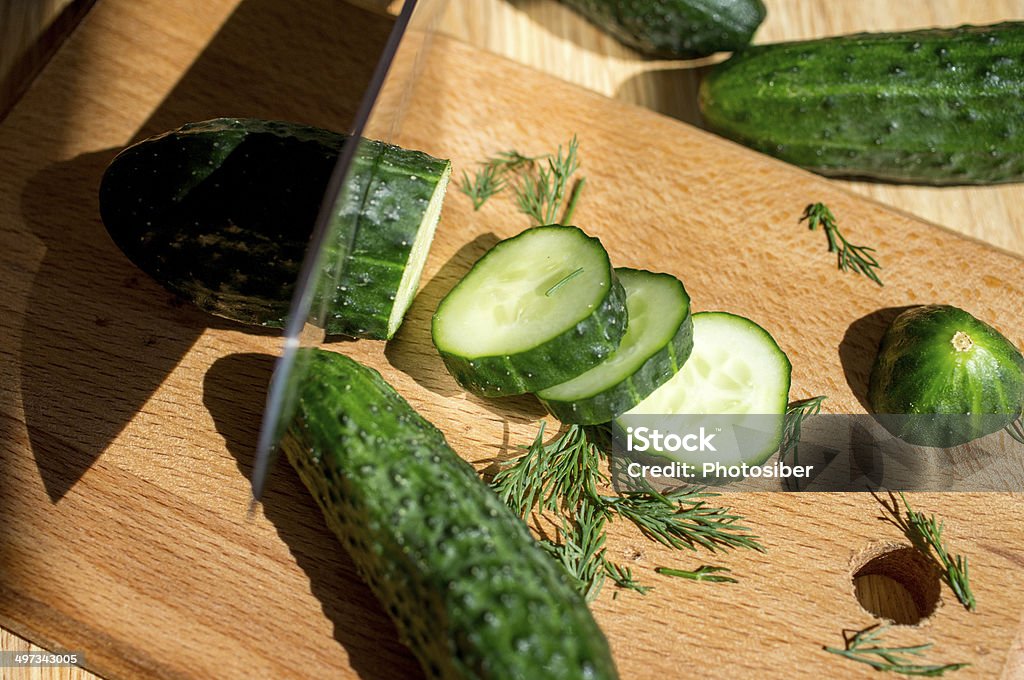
(307, 314)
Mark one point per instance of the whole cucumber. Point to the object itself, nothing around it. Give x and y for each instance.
(930, 107)
(221, 211)
(677, 29)
(470, 591)
(947, 376)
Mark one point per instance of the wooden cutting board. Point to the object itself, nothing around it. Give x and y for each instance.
(128, 420)
(573, 49)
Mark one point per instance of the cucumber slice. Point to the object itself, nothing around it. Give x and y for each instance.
(656, 344)
(536, 310)
(735, 368)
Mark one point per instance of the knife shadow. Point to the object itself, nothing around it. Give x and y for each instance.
(233, 392)
(271, 61)
(99, 336)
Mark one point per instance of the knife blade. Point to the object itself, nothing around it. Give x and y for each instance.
(308, 311)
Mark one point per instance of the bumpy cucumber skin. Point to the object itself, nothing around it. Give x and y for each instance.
(655, 370)
(930, 107)
(470, 591)
(565, 356)
(918, 370)
(220, 212)
(678, 29)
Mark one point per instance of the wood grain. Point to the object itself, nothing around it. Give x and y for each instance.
(30, 32)
(128, 421)
(12, 643)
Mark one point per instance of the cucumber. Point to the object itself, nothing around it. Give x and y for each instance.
(932, 107)
(470, 591)
(220, 212)
(677, 29)
(657, 342)
(940, 360)
(735, 368)
(536, 310)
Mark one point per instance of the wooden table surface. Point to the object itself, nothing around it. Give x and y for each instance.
(573, 50)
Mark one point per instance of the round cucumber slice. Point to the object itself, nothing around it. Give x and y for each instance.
(536, 310)
(656, 344)
(735, 369)
(938, 359)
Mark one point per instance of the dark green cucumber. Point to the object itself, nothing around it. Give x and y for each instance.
(470, 591)
(678, 29)
(658, 341)
(932, 107)
(939, 360)
(220, 212)
(536, 310)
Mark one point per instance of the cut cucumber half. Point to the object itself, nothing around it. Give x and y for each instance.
(536, 310)
(656, 344)
(735, 369)
(221, 211)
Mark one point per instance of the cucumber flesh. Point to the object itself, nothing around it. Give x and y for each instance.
(658, 341)
(735, 368)
(469, 590)
(536, 310)
(413, 269)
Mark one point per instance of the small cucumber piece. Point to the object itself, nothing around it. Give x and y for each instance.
(938, 359)
(536, 310)
(658, 341)
(937, 106)
(469, 590)
(735, 368)
(220, 212)
(676, 29)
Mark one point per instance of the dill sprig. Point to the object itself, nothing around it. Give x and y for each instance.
(859, 259)
(570, 210)
(581, 549)
(540, 189)
(925, 532)
(622, 576)
(562, 478)
(492, 177)
(540, 195)
(551, 475)
(701, 573)
(485, 183)
(796, 412)
(865, 647)
(566, 279)
(682, 519)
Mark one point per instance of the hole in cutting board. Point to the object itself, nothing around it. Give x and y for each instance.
(897, 583)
